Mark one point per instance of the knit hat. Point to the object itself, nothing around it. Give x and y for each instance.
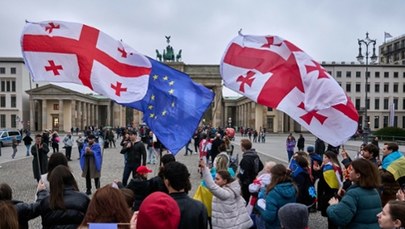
(310, 149)
(143, 170)
(157, 211)
(293, 216)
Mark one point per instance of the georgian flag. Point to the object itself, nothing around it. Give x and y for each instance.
(57, 51)
(274, 72)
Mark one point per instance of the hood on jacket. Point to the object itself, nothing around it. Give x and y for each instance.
(286, 190)
(235, 187)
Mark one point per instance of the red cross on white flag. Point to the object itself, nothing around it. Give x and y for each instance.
(274, 72)
(56, 51)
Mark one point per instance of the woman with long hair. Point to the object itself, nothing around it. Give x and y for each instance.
(392, 215)
(361, 201)
(108, 205)
(8, 215)
(279, 192)
(54, 160)
(228, 206)
(65, 206)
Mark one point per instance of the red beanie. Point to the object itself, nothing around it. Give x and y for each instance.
(158, 210)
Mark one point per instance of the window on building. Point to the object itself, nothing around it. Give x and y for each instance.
(358, 87)
(385, 103)
(386, 87)
(395, 121)
(329, 72)
(395, 74)
(2, 101)
(368, 74)
(377, 87)
(395, 89)
(368, 103)
(403, 74)
(403, 103)
(377, 74)
(358, 74)
(385, 121)
(3, 86)
(13, 85)
(56, 107)
(340, 83)
(2, 70)
(348, 74)
(357, 103)
(348, 87)
(376, 122)
(2, 121)
(13, 102)
(338, 74)
(395, 103)
(386, 74)
(377, 103)
(8, 86)
(269, 109)
(403, 121)
(368, 87)
(13, 71)
(13, 121)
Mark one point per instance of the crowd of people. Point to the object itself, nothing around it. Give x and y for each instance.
(363, 192)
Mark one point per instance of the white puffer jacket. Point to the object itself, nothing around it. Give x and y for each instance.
(228, 206)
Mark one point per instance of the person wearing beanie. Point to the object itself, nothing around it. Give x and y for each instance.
(157, 211)
(293, 216)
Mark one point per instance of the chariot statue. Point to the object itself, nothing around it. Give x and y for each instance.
(168, 53)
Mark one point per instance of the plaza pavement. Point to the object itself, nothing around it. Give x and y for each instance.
(18, 172)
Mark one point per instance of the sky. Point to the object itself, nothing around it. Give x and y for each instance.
(327, 30)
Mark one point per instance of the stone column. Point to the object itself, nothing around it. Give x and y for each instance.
(61, 118)
(32, 115)
(97, 122)
(85, 123)
(216, 116)
(73, 115)
(44, 115)
(108, 114)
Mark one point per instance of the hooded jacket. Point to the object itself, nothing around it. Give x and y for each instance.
(228, 206)
(279, 196)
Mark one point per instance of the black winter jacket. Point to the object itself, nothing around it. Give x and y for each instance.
(136, 154)
(76, 204)
(193, 213)
(249, 167)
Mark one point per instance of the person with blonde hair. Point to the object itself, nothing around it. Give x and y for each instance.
(108, 205)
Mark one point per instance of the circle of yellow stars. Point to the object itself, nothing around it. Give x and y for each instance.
(153, 97)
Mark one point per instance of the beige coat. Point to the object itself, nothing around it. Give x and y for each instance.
(228, 206)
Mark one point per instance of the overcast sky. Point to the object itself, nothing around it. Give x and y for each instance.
(326, 29)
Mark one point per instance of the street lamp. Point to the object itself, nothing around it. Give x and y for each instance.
(367, 41)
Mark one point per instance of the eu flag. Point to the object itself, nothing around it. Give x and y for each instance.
(173, 105)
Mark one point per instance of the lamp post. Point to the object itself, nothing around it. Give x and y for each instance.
(366, 42)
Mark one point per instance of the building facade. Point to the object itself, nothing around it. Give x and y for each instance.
(393, 51)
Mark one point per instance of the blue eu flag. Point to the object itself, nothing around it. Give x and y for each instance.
(173, 105)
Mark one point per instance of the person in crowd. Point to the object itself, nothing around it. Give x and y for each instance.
(64, 206)
(371, 152)
(293, 216)
(280, 191)
(301, 176)
(193, 213)
(228, 207)
(196, 139)
(129, 197)
(375, 142)
(54, 160)
(188, 148)
(25, 211)
(319, 147)
(40, 160)
(329, 183)
(90, 162)
(14, 144)
(401, 193)
(136, 156)
(157, 211)
(290, 145)
(263, 179)
(111, 138)
(149, 146)
(68, 144)
(205, 146)
(394, 162)
(215, 145)
(392, 216)
(107, 205)
(316, 161)
(45, 137)
(360, 201)
(301, 143)
(8, 215)
(55, 139)
(27, 142)
(249, 167)
(140, 186)
(80, 143)
(389, 186)
(156, 183)
(228, 145)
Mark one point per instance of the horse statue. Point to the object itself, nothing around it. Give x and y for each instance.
(178, 56)
(168, 54)
(158, 55)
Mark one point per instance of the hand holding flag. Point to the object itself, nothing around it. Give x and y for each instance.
(274, 72)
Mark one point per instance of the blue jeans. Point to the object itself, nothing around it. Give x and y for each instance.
(128, 169)
(290, 154)
(28, 149)
(151, 155)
